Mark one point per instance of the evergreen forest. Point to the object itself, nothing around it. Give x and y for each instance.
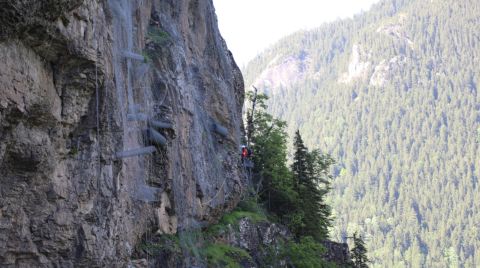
(392, 95)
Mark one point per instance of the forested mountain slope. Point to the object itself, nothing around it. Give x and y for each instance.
(392, 94)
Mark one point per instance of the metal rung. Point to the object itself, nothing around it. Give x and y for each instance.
(137, 117)
(133, 56)
(159, 124)
(220, 129)
(136, 152)
(156, 137)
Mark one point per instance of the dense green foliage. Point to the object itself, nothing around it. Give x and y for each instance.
(165, 242)
(157, 35)
(248, 208)
(311, 183)
(405, 130)
(209, 245)
(222, 255)
(296, 196)
(305, 253)
(272, 176)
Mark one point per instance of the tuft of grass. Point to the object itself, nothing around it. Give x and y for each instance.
(246, 209)
(306, 253)
(157, 35)
(233, 217)
(191, 241)
(251, 204)
(169, 243)
(222, 255)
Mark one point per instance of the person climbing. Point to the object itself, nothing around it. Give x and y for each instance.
(244, 152)
(246, 157)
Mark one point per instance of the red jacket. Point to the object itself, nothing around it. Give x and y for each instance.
(244, 152)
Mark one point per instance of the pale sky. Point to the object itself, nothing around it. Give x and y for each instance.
(250, 26)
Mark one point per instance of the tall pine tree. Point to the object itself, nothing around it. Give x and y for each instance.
(359, 252)
(319, 167)
(300, 162)
(309, 172)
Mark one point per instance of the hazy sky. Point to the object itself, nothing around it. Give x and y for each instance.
(250, 26)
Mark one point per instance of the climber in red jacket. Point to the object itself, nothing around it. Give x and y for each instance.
(244, 152)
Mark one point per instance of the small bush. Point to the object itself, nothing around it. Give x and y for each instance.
(169, 243)
(221, 255)
(306, 253)
(234, 217)
(250, 204)
(147, 57)
(157, 35)
(245, 209)
(191, 241)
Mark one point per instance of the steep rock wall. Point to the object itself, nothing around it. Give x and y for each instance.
(83, 83)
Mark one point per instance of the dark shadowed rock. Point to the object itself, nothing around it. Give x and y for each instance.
(337, 253)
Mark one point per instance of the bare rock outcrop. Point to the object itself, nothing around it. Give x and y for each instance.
(263, 240)
(107, 115)
(266, 242)
(359, 65)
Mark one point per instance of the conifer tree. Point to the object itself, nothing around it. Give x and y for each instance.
(319, 167)
(309, 170)
(359, 252)
(299, 166)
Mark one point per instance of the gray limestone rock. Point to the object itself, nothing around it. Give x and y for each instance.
(66, 91)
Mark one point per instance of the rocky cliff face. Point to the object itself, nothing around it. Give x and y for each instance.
(118, 119)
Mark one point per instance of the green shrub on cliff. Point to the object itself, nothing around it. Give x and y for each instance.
(246, 209)
(305, 253)
(157, 35)
(222, 255)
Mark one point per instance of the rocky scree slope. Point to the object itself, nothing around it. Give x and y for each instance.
(108, 112)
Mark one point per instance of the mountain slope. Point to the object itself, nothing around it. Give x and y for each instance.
(392, 95)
